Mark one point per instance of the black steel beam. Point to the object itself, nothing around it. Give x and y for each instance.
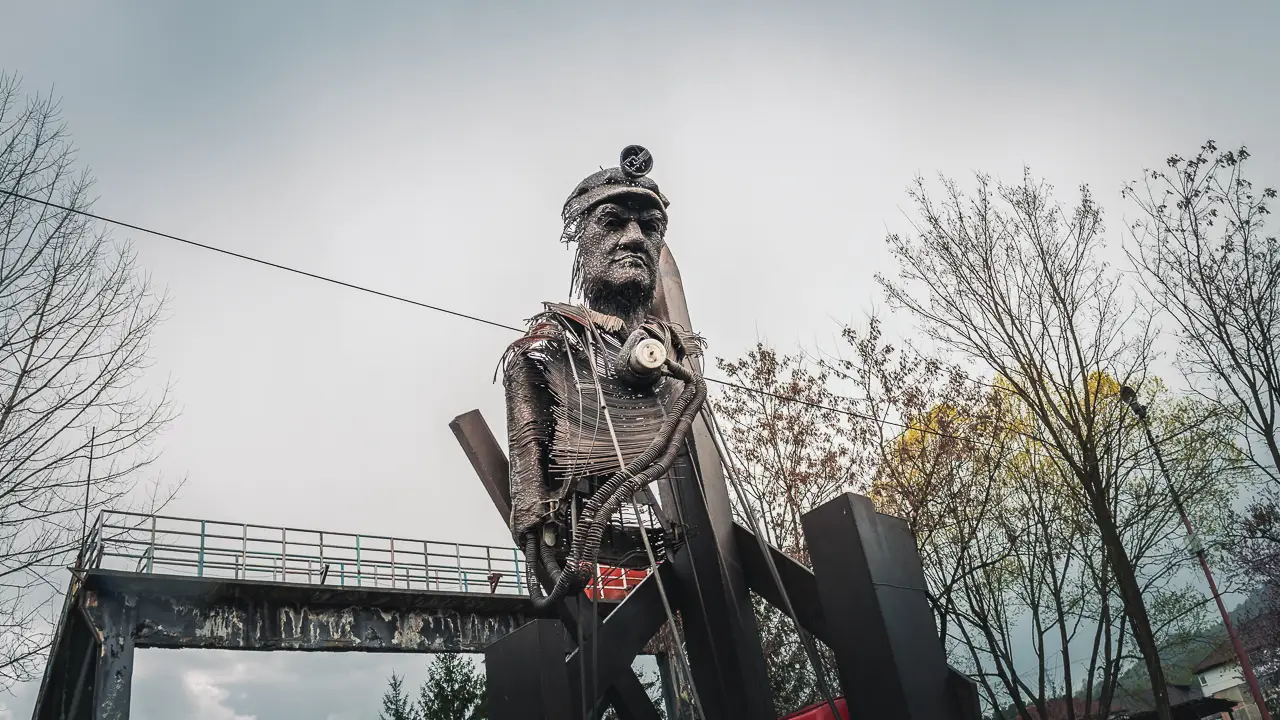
(617, 640)
(801, 586)
(526, 674)
(631, 702)
(183, 612)
(487, 458)
(964, 692)
(878, 621)
(66, 690)
(720, 625)
(623, 690)
(113, 676)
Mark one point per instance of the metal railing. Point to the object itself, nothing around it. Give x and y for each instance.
(168, 545)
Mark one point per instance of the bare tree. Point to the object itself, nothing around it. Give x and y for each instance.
(1204, 257)
(1011, 281)
(1205, 260)
(75, 317)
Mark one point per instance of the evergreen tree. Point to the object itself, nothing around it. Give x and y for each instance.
(454, 689)
(482, 707)
(396, 704)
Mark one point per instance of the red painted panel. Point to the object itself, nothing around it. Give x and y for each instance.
(821, 711)
(614, 583)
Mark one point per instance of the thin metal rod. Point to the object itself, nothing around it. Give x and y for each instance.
(1241, 655)
(81, 560)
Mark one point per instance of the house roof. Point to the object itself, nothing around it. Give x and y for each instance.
(1137, 701)
(1221, 654)
(1253, 635)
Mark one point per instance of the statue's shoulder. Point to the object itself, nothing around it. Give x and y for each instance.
(549, 330)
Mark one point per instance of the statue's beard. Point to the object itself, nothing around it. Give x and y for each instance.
(625, 297)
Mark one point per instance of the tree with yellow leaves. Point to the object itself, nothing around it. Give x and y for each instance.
(1011, 282)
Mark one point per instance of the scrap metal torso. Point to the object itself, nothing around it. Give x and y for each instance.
(567, 405)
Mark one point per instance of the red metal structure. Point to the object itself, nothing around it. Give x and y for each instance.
(820, 711)
(1130, 397)
(614, 583)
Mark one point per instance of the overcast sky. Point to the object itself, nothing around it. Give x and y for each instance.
(425, 148)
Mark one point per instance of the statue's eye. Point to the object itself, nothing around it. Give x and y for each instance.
(610, 220)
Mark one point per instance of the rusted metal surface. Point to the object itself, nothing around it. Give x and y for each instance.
(113, 680)
(487, 458)
(110, 614)
(175, 612)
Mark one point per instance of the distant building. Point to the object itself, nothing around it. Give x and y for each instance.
(1220, 676)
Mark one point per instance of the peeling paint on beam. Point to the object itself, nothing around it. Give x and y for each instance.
(168, 624)
(177, 613)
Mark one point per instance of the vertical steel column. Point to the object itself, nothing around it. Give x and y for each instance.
(426, 567)
(526, 674)
(720, 625)
(675, 690)
(113, 676)
(878, 621)
(200, 563)
(457, 556)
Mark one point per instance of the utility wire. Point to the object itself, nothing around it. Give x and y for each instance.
(455, 313)
(259, 261)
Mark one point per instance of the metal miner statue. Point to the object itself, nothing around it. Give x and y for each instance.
(598, 400)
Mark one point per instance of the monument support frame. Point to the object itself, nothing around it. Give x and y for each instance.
(855, 550)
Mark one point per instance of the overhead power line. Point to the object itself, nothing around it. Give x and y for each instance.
(259, 261)
(455, 313)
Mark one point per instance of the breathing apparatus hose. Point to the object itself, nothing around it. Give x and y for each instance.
(653, 463)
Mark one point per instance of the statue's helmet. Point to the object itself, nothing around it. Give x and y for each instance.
(627, 180)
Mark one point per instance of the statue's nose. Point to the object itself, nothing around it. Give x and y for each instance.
(631, 238)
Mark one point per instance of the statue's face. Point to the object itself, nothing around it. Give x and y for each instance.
(618, 252)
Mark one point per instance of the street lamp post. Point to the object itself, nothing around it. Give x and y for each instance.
(1130, 397)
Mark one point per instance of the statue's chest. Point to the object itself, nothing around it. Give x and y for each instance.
(593, 406)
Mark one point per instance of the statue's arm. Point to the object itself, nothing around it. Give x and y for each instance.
(529, 428)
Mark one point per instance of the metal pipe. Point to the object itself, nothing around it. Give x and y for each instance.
(1130, 397)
